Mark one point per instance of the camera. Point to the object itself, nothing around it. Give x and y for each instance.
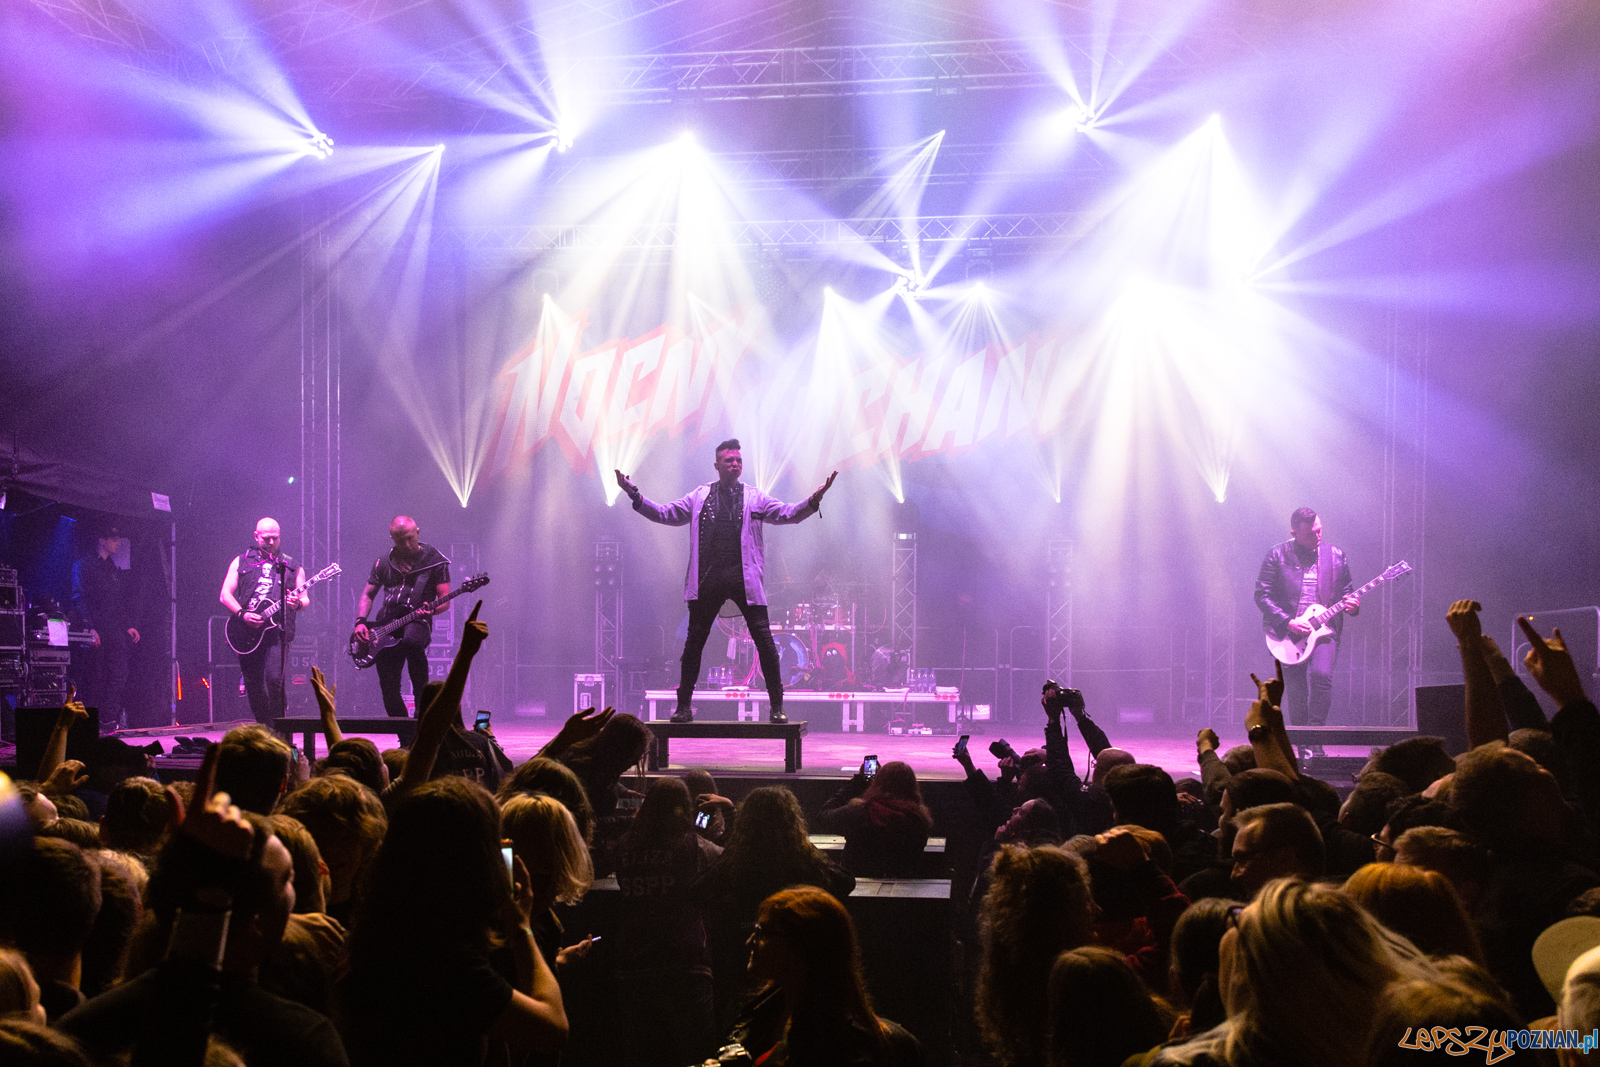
(1059, 696)
(1002, 749)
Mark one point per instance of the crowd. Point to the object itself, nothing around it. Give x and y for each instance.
(407, 907)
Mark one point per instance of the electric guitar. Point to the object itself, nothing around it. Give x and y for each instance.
(245, 639)
(1293, 648)
(365, 653)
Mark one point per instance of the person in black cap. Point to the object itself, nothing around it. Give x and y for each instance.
(102, 600)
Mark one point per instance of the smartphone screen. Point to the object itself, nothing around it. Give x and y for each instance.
(702, 819)
(961, 743)
(869, 766)
(505, 853)
(482, 721)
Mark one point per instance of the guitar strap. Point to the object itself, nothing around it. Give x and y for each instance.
(1324, 574)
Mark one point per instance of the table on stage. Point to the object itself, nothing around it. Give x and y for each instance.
(749, 702)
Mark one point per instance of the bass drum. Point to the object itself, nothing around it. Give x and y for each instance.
(794, 660)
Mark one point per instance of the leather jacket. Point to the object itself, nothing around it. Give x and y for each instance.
(1278, 587)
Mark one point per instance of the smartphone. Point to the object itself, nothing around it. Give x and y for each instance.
(702, 819)
(869, 766)
(505, 854)
(961, 745)
(481, 723)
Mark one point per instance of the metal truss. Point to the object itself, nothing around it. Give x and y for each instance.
(1404, 514)
(779, 233)
(608, 607)
(319, 475)
(903, 596)
(1058, 612)
(1221, 644)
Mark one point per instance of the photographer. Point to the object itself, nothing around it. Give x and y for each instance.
(883, 819)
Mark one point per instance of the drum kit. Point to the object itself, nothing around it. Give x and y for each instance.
(816, 647)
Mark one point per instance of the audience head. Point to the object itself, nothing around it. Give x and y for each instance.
(105, 953)
(40, 808)
(138, 811)
(1108, 760)
(1192, 979)
(1417, 904)
(1366, 809)
(1275, 841)
(1038, 906)
(48, 903)
(263, 897)
(1416, 761)
(1453, 854)
(1505, 799)
(79, 832)
(1255, 789)
(1239, 758)
(602, 759)
(543, 832)
(253, 767)
(547, 776)
(439, 877)
(700, 782)
(1407, 813)
(1317, 797)
(31, 1044)
(347, 821)
(1302, 966)
(1144, 795)
(1100, 1013)
(310, 873)
(893, 796)
(394, 761)
(769, 836)
(357, 757)
(664, 818)
(1538, 745)
(1033, 822)
(1579, 1008)
(19, 993)
(805, 944)
(1460, 1000)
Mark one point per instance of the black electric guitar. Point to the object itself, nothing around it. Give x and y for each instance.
(365, 653)
(1293, 648)
(245, 639)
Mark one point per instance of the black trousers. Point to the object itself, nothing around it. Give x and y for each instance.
(1308, 687)
(263, 678)
(103, 679)
(703, 615)
(410, 656)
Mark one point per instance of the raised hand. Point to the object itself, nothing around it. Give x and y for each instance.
(325, 693)
(216, 821)
(1270, 691)
(64, 779)
(1551, 664)
(1206, 741)
(1463, 620)
(475, 632)
(816, 497)
(627, 486)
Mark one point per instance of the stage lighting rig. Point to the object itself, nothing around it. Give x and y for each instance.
(321, 145)
(562, 139)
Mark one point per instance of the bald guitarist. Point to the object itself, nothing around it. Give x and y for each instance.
(259, 576)
(412, 577)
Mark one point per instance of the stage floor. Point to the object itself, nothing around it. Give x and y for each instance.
(826, 754)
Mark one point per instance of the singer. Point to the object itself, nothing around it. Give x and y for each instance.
(266, 575)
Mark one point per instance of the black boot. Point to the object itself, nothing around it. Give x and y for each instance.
(778, 718)
(683, 714)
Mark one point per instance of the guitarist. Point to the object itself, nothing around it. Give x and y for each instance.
(254, 578)
(412, 576)
(1296, 574)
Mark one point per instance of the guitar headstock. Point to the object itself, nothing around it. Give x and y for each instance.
(332, 570)
(1397, 570)
(477, 581)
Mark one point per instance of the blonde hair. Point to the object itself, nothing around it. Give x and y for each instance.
(546, 836)
(1310, 966)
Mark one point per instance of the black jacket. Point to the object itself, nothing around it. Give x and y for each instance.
(1278, 587)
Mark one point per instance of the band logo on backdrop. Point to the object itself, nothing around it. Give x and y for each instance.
(669, 382)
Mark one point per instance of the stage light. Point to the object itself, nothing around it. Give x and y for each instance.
(291, 479)
(321, 145)
(686, 138)
(563, 139)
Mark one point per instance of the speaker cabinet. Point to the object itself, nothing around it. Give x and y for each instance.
(1442, 712)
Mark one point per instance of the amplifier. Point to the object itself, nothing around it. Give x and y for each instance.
(11, 671)
(11, 597)
(45, 656)
(8, 576)
(13, 634)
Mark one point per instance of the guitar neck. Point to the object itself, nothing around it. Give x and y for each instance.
(1363, 591)
(416, 613)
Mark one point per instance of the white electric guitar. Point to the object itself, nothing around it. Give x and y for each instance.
(1293, 648)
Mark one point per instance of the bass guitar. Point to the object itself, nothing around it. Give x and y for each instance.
(1293, 648)
(245, 639)
(365, 653)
